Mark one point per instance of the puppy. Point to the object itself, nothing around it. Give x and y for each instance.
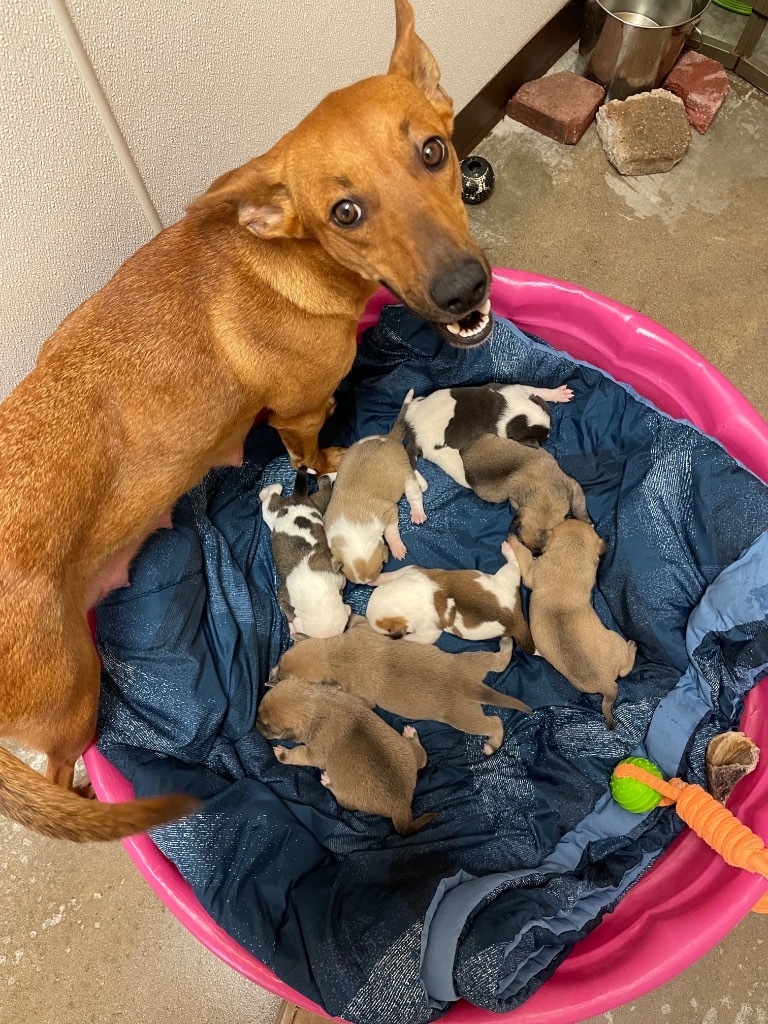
(412, 681)
(373, 476)
(565, 628)
(310, 588)
(366, 764)
(446, 421)
(529, 479)
(419, 604)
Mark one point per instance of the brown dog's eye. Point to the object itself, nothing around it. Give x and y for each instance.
(434, 152)
(346, 213)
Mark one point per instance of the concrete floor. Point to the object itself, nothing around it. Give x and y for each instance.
(82, 939)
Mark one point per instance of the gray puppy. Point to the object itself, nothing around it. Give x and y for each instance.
(310, 586)
(530, 480)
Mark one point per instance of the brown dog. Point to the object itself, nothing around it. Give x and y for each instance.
(366, 764)
(410, 680)
(530, 479)
(250, 302)
(564, 626)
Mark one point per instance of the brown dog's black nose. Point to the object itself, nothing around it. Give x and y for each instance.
(460, 288)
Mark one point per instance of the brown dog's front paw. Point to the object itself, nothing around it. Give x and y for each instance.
(328, 460)
(280, 753)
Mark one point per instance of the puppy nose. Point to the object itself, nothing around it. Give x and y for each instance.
(460, 288)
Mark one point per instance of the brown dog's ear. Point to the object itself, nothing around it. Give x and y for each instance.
(263, 202)
(412, 59)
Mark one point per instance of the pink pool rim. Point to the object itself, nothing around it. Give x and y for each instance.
(691, 898)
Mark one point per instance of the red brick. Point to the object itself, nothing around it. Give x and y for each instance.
(561, 106)
(702, 85)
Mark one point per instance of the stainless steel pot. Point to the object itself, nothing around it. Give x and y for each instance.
(629, 46)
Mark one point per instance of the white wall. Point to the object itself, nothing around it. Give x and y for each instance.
(194, 88)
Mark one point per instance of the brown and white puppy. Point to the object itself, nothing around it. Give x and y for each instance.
(366, 764)
(530, 480)
(372, 478)
(419, 604)
(440, 425)
(310, 587)
(413, 681)
(564, 625)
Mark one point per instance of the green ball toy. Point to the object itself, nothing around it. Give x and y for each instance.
(636, 796)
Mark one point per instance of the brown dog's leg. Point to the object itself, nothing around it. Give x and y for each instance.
(470, 718)
(419, 752)
(296, 755)
(299, 435)
(75, 681)
(524, 559)
(631, 653)
(578, 501)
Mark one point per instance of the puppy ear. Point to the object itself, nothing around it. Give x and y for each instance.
(337, 562)
(262, 200)
(412, 59)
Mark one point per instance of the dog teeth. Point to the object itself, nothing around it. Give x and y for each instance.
(454, 328)
(485, 309)
(466, 332)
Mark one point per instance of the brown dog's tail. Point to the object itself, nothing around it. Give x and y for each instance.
(397, 433)
(43, 807)
(487, 695)
(409, 826)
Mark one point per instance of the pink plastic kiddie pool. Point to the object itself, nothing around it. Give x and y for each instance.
(691, 898)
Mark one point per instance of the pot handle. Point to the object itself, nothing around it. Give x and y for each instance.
(695, 38)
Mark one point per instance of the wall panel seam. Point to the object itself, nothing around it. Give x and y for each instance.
(97, 95)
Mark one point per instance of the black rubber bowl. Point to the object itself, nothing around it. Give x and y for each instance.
(476, 180)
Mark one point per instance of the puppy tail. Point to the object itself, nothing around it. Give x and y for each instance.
(487, 695)
(397, 433)
(301, 484)
(43, 807)
(408, 826)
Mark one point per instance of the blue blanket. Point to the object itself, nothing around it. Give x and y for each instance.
(528, 850)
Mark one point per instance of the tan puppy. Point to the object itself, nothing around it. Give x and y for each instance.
(530, 480)
(249, 302)
(373, 476)
(564, 625)
(366, 764)
(419, 604)
(412, 681)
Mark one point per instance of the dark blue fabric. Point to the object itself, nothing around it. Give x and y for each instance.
(332, 900)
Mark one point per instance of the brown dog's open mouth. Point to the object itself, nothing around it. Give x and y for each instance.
(473, 329)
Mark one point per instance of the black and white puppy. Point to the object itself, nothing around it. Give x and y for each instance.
(310, 586)
(442, 423)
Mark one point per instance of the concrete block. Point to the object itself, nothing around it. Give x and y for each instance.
(561, 106)
(644, 134)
